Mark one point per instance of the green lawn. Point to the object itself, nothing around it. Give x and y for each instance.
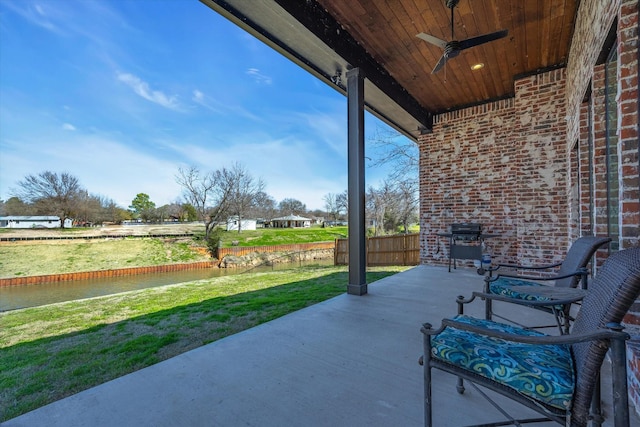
(49, 352)
(35, 258)
(283, 236)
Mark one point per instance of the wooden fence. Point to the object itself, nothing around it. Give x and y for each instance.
(402, 249)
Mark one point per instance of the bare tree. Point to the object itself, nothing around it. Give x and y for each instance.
(51, 194)
(407, 202)
(244, 191)
(208, 193)
(401, 186)
(379, 206)
(291, 206)
(88, 209)
(392, 148)
(111, 212)
(331, 205)
(342, 203)
(176, 211)
(394, 204)
(265, 206)
(15, 206)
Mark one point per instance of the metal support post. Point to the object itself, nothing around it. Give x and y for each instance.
(356, 187)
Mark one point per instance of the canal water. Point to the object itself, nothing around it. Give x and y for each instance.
(16, 297)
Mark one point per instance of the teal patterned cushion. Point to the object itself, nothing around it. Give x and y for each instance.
(544, 373)
(502, 286)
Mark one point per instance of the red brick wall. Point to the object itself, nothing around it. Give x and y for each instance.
(504, 165)
(542, 192)
(599, 173)
(628, 123)
(466, 166)
(585, 176)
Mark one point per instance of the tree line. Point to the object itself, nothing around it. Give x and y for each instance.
(214, 196)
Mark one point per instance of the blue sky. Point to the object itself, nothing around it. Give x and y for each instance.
(121, 93)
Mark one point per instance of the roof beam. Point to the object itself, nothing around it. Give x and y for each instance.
(317, 20)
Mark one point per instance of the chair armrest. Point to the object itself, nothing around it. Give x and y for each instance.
(531, 267)
(613, 332)
(579, 272)
(535, 303)
(519, 267)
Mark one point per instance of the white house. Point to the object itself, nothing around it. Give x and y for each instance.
(44, 221)
(291, 221)
(245, 224)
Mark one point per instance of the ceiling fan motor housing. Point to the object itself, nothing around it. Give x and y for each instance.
(452, 49)
(452, 3)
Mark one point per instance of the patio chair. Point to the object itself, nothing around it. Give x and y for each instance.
(572, 270)
(554, 375)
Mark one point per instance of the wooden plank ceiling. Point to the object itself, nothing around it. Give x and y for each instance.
(327, 37)
(539, 38)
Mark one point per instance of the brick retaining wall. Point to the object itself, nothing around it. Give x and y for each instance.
(84, 275)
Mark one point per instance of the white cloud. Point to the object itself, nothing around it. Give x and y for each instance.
(258, 77)
(328, 127)
(68, 126)
(35, 14)
(198, 96)
(142, 89)
(201, 99)
(212, 105)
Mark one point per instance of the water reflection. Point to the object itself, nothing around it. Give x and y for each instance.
(15, 297)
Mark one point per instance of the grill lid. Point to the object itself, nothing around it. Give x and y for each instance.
(466, 228)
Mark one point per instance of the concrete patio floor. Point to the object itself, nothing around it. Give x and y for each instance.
(349, 361)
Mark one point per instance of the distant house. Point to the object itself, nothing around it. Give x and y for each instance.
(246, 224)
(291, 221)
(317, 220)
(44, 221)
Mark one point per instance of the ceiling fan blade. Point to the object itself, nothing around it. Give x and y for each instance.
(440, 64)
(475, 41)
(433, 40)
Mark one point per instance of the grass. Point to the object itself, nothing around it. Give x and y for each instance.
(283, 236)
(33, 258)
(49, 352)
(68, 256)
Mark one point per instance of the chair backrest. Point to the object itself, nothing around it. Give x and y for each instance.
(578, 257)
(611, 294)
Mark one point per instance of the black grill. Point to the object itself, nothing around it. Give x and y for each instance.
(466, 231)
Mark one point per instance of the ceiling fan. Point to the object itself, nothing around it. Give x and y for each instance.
(454, 47)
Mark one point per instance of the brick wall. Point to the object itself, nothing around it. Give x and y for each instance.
(593, 21)
(628, 96)
(465, 168)
(586, 182)
(542, 193)
(504, 165)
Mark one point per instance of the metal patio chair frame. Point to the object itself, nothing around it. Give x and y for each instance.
(595, 331)
(572, 270)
